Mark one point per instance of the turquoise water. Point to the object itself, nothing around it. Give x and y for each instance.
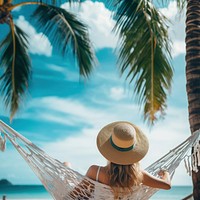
(176, 193)
(39, 192)
(24, 192)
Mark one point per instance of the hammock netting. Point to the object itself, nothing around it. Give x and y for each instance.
(64, 183)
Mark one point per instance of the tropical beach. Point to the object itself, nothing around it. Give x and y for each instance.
(66, 105)
(30, 192)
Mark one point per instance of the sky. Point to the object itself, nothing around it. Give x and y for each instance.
(62, 114)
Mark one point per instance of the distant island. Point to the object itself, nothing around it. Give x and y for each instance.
(5, 182)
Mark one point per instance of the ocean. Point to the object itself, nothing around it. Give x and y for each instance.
(38, 192)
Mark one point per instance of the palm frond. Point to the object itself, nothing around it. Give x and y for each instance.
(144, 54)
(180, 3)
(15, 62)
(66, 30)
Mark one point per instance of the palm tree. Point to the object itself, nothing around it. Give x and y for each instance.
(14, 58)
(144, 55)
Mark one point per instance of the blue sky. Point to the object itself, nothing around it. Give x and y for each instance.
(62, 113)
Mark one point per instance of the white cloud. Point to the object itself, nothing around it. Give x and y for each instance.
(79, 113)
(98, 17)
(38, 42)
(69, 111)
(79, 150)
(99, 20)
(178, 48)
(56, 68)
(165, 136)
(176, 28)
(68, 74)
(117, 93)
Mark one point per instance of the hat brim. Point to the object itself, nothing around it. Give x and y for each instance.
(120, 157)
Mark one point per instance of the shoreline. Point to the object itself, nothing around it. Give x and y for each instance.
(38, 192)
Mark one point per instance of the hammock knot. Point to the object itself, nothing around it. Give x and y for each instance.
(196, 157)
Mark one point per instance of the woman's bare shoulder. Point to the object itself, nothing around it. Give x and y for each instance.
(92, 171)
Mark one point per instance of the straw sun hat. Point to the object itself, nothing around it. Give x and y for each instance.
(122, 143)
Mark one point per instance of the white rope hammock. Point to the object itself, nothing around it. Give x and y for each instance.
(64, 183)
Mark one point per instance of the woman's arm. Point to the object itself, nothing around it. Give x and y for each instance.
(163, 182)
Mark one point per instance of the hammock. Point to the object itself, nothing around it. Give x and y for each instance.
(2, 143)
(64, 183)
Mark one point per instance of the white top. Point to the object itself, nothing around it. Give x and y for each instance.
(97, 176)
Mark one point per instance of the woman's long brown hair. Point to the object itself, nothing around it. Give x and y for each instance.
(124, 177)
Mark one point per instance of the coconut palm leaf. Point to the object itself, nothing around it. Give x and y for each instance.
(65, 30)
(15, 62)
(144, 54)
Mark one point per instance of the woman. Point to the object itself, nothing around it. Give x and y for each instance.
(123, 144)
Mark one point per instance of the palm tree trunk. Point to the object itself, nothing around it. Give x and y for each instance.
(193, 76)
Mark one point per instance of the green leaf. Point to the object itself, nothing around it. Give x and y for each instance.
(144, 54)
(66, 32)
(15, 62)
